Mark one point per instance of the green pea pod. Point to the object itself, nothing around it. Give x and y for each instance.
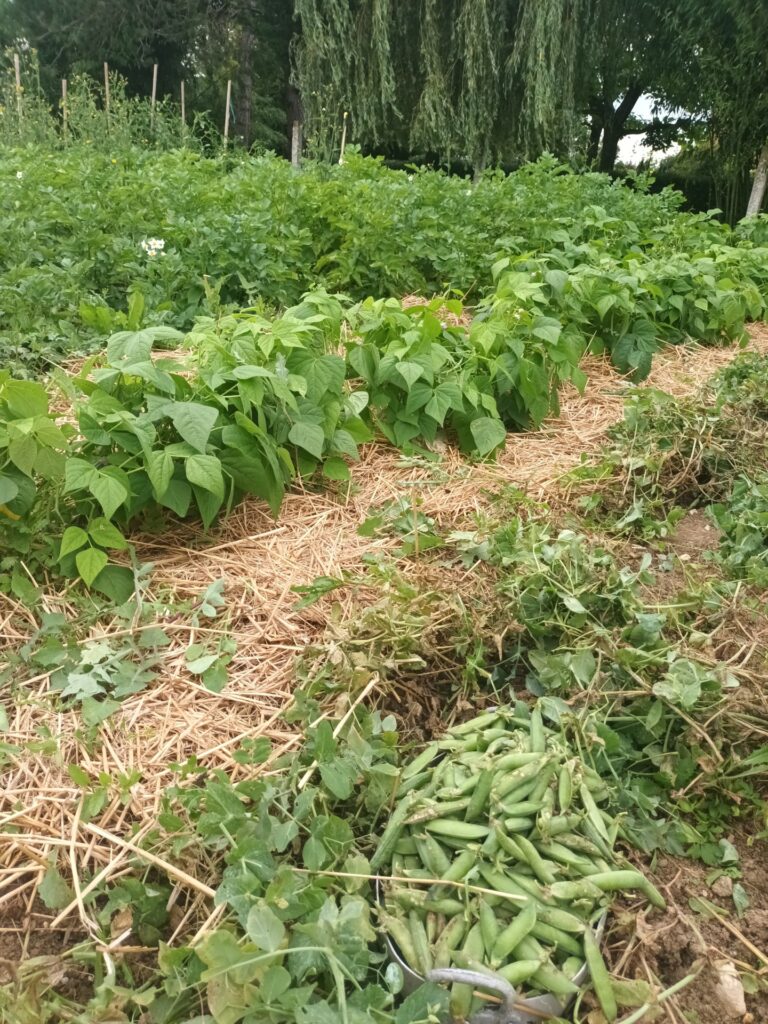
(555, 937)
(428, 810)
(399, 932)
(457, 829)
(474, 725)
(541, 868)
(507, 782)
(601, 979)
(489, 926)
(511, 936)
(433, 856)
(449, 939)
(565, 787)
(479, 800)
(537, 738)
(614, 881)
(518, 972)
(543, 780)
(391, 833)
(460, 1002)
(420, 942)
(461, 866)
(419, 763)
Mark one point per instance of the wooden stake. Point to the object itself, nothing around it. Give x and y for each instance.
(17, 70)
(154, 98)
(226, 115)
(343, 137)
(64, 106)
(183, 106)
(106, 91)
(296, 144)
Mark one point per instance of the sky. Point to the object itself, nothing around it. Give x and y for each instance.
(631, 150)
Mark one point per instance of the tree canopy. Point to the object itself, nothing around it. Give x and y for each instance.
(462, 82)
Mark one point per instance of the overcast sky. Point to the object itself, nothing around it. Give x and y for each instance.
(631, 149)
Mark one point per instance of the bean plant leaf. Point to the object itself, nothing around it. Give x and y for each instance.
(336, 469)
(205, 472)
(103, 533)
(109, 492)
(308, 436)
(159, 470)
(22, 452)
(8, 490)
(90, 563)
(194, 422)
(78, 475)
(410, 372)
(73, 539)
(488, 434)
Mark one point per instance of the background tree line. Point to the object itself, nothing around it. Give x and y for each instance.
(464, 83)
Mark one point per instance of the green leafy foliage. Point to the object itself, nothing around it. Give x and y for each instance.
(359, 228)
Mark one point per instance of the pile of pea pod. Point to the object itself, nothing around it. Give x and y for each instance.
(498, 857)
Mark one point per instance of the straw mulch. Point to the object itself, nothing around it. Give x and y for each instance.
(260, 562)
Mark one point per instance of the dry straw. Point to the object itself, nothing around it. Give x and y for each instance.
(260, 562)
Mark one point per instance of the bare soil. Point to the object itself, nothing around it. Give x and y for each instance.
(664, 948)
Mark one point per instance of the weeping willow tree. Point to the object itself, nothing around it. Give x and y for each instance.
(478, 79)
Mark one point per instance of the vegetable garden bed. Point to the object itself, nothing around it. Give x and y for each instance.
(62, 824)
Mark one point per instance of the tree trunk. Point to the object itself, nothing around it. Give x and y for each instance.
(595, 133)
(759, 184)
(613, 127)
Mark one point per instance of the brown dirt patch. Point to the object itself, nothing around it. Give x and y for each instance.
(694, 536)
(663, 948)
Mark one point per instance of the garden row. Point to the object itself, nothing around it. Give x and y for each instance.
(78, 228)
(252, 402)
